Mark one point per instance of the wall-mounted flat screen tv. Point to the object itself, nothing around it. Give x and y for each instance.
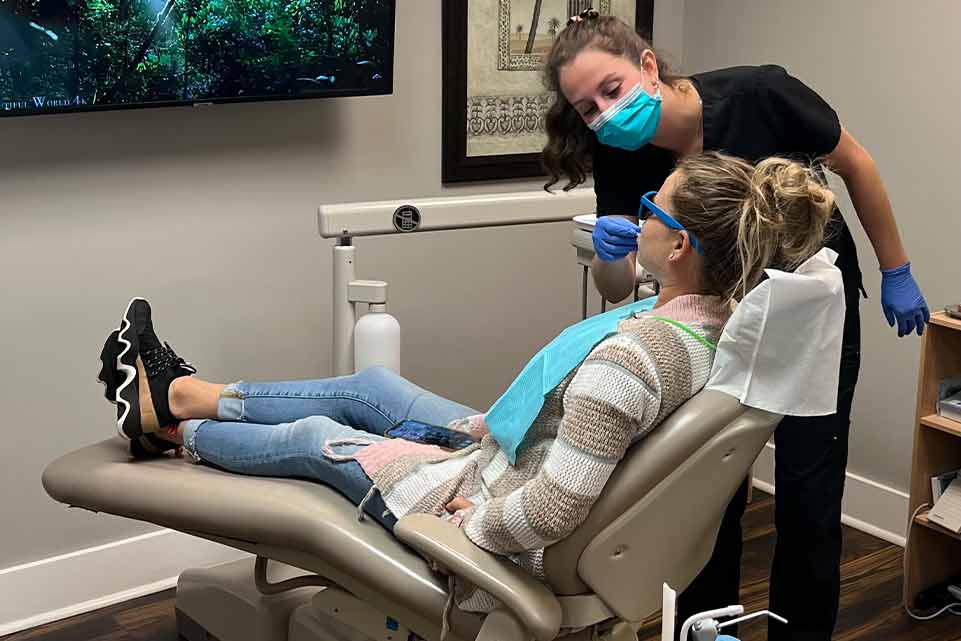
(79, 55)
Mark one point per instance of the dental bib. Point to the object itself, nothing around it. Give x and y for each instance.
(514, 412)
(781, 349)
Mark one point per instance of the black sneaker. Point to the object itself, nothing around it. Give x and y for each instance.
(149, 446)
(108, 366)
(137, 370)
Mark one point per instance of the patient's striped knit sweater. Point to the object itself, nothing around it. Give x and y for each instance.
(627, 385)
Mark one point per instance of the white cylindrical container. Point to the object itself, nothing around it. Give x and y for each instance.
(377, 340)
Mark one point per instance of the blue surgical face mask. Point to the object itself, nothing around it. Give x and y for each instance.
(630, 122)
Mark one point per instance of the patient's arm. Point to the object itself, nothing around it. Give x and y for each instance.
(609, 402)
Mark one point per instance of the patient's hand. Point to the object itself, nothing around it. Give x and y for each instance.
(459, 503)
(473, 426)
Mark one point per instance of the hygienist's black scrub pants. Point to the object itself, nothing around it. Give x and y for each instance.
(810, 459)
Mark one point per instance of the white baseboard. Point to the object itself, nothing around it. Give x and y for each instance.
(69, 584)
(868, 506)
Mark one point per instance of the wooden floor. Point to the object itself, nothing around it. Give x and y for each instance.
(870, 597)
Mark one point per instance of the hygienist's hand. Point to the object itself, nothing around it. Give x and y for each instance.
(902, 300)
(459, 503)
(614, 237)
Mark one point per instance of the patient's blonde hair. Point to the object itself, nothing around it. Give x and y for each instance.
(749, 218)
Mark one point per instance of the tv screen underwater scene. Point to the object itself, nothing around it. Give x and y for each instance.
(77, 55)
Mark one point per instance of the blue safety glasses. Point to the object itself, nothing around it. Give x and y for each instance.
(648, 207)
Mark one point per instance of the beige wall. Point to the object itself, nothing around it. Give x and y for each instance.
(210, 214)
(669, 31)
(892, 70)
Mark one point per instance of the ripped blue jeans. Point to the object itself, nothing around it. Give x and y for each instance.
(281, 428)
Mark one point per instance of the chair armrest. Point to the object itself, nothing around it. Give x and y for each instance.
(529, 599)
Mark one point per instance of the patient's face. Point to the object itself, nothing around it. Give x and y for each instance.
(656, 240)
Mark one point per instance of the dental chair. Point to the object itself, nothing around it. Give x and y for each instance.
(320, 574)
(655, 522)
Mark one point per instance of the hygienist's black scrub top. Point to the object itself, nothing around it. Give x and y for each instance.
(749, 112)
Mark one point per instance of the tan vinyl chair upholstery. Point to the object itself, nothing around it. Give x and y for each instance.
(656, 521)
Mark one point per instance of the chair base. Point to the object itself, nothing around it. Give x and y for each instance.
(335, 615)
(222, 603)
(308, 625)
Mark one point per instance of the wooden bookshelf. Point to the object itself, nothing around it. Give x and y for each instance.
(943, 320)
(934, 553)
(923, 520)
(941, 423)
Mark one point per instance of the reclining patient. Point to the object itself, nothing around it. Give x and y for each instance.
(707, 236)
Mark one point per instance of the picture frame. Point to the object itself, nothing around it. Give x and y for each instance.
(487, 135)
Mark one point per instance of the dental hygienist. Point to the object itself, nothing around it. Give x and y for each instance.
(621, 114)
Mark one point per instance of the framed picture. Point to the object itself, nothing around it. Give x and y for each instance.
(494, 99)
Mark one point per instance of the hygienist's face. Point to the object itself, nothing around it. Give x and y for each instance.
(594, 80)
(657, 242)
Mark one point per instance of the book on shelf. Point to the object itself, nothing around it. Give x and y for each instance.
(950, 407)
(940, 483)
(947, 510)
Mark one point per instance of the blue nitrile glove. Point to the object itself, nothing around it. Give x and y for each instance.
(902, 300)
(614, 237)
